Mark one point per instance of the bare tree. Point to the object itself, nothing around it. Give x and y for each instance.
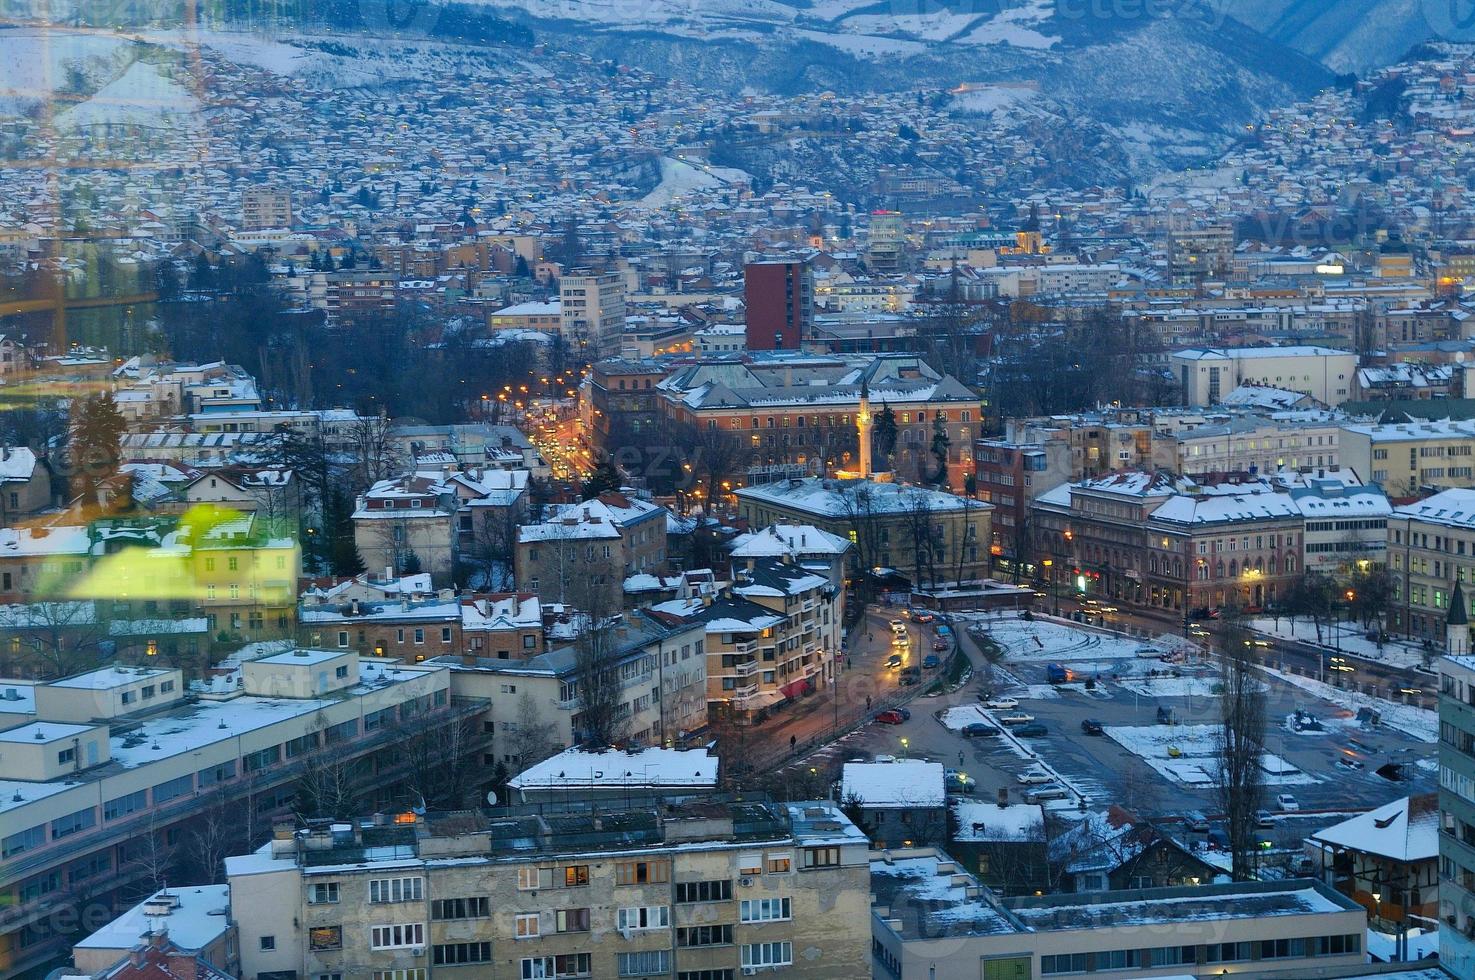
(1241, 740)
(493, 545)
(331, 782)
(374, 456)
(924, 537)
(59, 636)
(532, 738)
(717, 455)
(857, 504)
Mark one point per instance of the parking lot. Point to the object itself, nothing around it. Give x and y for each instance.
(1153, 768)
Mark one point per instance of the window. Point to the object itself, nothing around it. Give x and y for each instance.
(66, 757)
(1337, 945)
(1122, 959)
(531, 879)
(383, 890)
(322, 894)
(641, 872)
(1171, 955)
(217, 774)
(764, 910)
(768, 954)
(174, 788)
(575, 875)
(325, 937)
(327, 976)
(717, 974)
(399, 975)
(454, 954)
(655, 962)
(1063, 963)
(460, 908)
(572, 920)
(1227, 952)
(343, 638)
(704, 891)
(1280, 949)
(778, 865)
(124, 805)
(397, 936)
(704, 936)
(341, 671)
(821, 857)
(567, 965)
(643, 917)
(73, 822)
(268, 942)
(528, 925)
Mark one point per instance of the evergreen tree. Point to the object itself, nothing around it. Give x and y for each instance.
(605, 477)
(883, 437)
(97, 431)
(940, 444)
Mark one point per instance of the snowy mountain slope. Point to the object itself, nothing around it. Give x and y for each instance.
(1353, 35)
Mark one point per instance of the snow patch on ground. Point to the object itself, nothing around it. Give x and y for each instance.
(988, 99)
(1198, 746)
(1421, 723)
(1349, 637)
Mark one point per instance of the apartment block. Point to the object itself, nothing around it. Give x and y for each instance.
(779, 300)
(266, 207)
(1407, 457)
(1431, 553)
(1457, 814)
(1206, 375)
(706, 890)
(592, 311)
(117, 764)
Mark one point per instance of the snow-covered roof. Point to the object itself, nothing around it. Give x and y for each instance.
(194, 916)
(797, 540)
(1452, 508)
(901, 784)
(978, 821)
(1405, 830)
(645, 768)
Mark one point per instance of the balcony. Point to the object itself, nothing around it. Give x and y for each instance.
(746, 668)
(746, 647)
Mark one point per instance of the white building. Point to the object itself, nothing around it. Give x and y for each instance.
(1206, 375)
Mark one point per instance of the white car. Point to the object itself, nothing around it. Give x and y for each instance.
(1001, 703)
(898, 627)
(1015, 718)
(1034, 778)
(1286, 803)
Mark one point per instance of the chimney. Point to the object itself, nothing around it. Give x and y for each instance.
(183, 965)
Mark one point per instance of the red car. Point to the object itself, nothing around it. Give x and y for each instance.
(890, 718)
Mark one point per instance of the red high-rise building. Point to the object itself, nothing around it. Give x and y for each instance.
(780, 299)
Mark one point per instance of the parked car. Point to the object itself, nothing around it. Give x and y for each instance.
(890, 718)
(1032, 731)
(1218, 840)
(1264, 818)
(1286, 803)
(1059, 674)
(1195, 821)
(931, 661)
(959, 781)
(978, 730)
(1001, 703)
(1348, 762)
(906, 713)
(1014, 718)
(1165, 715)
(894, 661)
(939, 644)
(1051, 792)
(1034, 777)
(1092, 727)
(911, 675)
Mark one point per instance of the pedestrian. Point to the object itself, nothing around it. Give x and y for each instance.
(960, 757)
(868, 702)
(792, 741)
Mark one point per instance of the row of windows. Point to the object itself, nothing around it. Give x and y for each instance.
(1161, 956)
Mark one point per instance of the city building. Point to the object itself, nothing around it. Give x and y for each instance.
(266, 207)
(654, 681)
(778, 297)
(650, 775)
(409, 524)
(1410, 457)
(1457, 804)
(191, 923)
(117, 760)
(928, 537)
(930, 918)
(592, 311)
(901, 803)
(1206, 375)
(773, 636)
(1431, 551)
(1386, 860)
(696, 890)
(582, 553)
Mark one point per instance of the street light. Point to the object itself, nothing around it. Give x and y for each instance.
(1049, 564)
(904, 744)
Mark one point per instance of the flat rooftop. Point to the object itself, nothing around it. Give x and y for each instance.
(933, 896)
(1162, 906)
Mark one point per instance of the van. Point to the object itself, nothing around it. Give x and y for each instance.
(1195, 821)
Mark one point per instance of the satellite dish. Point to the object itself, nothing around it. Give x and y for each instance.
(492, 798)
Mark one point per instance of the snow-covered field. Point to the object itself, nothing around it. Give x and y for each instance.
(1421, 723)
(1198, 745)
(679, 178)
(1045, 640)
(141, 96)
(1175, 687)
